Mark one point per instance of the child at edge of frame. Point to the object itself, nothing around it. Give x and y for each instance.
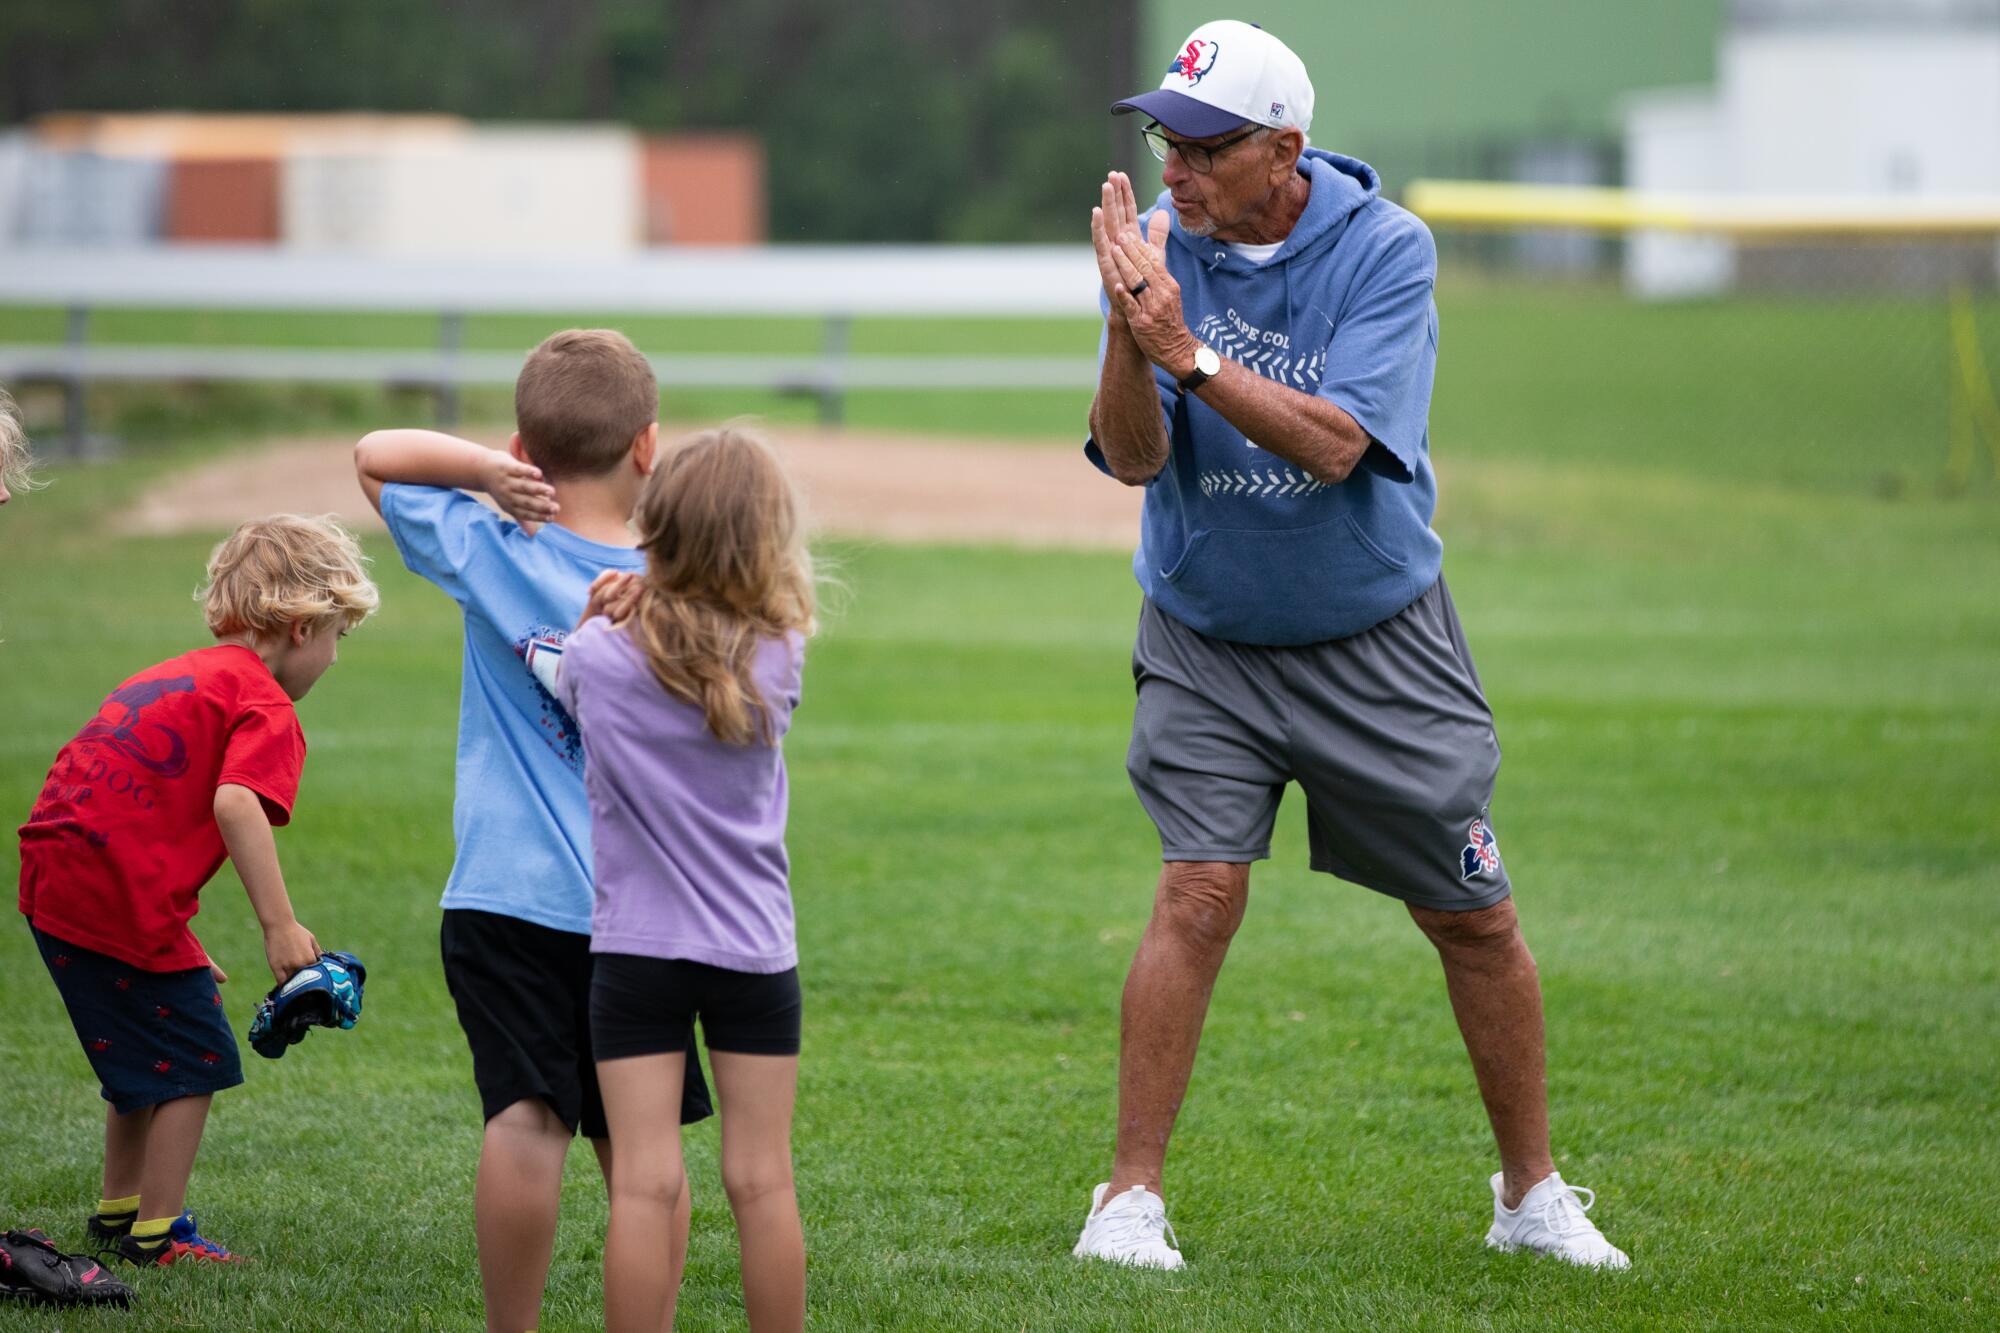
(17, 463)
(187, 763)
(684, 682)
(515, 935)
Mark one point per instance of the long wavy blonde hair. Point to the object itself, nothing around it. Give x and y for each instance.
(726, 568)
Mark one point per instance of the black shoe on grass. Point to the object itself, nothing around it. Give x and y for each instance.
(101, 1231)
(34, 1270)
(128, 1248)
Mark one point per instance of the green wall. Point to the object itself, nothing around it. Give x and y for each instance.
(1426, 85)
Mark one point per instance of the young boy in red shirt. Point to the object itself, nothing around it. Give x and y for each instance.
(186, 763)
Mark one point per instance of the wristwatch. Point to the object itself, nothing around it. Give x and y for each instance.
(1207, 365)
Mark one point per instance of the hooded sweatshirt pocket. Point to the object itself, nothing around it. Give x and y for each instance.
(1283, 585)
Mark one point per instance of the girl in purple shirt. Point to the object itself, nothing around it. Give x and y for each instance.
(682, 682)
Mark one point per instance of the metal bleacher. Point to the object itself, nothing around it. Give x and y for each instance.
(833, 285)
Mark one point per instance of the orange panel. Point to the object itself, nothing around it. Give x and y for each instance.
(223, 200)
(703, 189)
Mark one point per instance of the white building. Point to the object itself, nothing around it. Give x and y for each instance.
(1836, 98)
(467, 192)
(354, 183)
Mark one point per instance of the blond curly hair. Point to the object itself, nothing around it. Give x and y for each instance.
(272, 573)
(16, 463)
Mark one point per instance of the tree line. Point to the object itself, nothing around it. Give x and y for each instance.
(883, 120)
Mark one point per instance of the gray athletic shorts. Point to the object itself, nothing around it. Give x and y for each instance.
(1387, 732)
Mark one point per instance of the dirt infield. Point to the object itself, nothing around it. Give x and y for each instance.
(885, 487)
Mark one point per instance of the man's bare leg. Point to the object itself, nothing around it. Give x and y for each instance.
(1196, 911)
(1496, 995)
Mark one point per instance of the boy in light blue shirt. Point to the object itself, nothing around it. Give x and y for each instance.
(516, 933)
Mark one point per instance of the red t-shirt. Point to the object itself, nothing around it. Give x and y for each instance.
(124, 834)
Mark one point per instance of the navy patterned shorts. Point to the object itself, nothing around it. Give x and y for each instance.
(150, 1036)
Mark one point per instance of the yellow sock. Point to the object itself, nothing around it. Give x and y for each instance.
(152, 1234)
(117, 1207)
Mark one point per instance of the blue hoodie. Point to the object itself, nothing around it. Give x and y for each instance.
(1235, 541)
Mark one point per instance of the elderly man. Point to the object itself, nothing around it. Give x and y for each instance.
(1269, 341)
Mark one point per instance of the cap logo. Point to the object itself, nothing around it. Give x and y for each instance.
(1194, 63)
(1277, 110)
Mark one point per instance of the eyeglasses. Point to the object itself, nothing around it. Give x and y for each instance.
(1200, 158)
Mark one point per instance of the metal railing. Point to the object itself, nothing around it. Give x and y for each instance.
(834, 285)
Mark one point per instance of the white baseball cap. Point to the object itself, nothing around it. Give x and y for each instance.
(1228, 74)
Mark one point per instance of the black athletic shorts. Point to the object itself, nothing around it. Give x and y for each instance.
(647, 1006)
(523, 995)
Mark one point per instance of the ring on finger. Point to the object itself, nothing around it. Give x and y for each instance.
(1141, 286)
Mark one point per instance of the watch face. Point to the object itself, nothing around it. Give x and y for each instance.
(1206, 360)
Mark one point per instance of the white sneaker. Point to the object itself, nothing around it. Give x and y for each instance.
(1131, 1229)
(1551, 1220)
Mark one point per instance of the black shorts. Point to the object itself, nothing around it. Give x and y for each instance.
(523, 995)
(151, 1037)
(647, 1006)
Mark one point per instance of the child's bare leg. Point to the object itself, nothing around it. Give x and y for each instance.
(125, 1150)
(172, 1136)
(642, 1101)
(756, 1093)
(677, 1242)
(514, 1208)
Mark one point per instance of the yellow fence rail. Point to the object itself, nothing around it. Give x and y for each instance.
(1505, 206)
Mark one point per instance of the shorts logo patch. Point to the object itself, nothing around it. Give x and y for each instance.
(1481, 853)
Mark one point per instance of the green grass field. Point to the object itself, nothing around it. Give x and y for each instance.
(1751, 725)
(1833, 393)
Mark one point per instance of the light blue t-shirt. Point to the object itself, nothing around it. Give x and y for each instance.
(520, 815)
(1234, 540)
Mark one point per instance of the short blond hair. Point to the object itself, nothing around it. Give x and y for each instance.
(272, 573)
(16, 463)
(581, 400)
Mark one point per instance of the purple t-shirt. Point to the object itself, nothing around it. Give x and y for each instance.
(687, 832)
